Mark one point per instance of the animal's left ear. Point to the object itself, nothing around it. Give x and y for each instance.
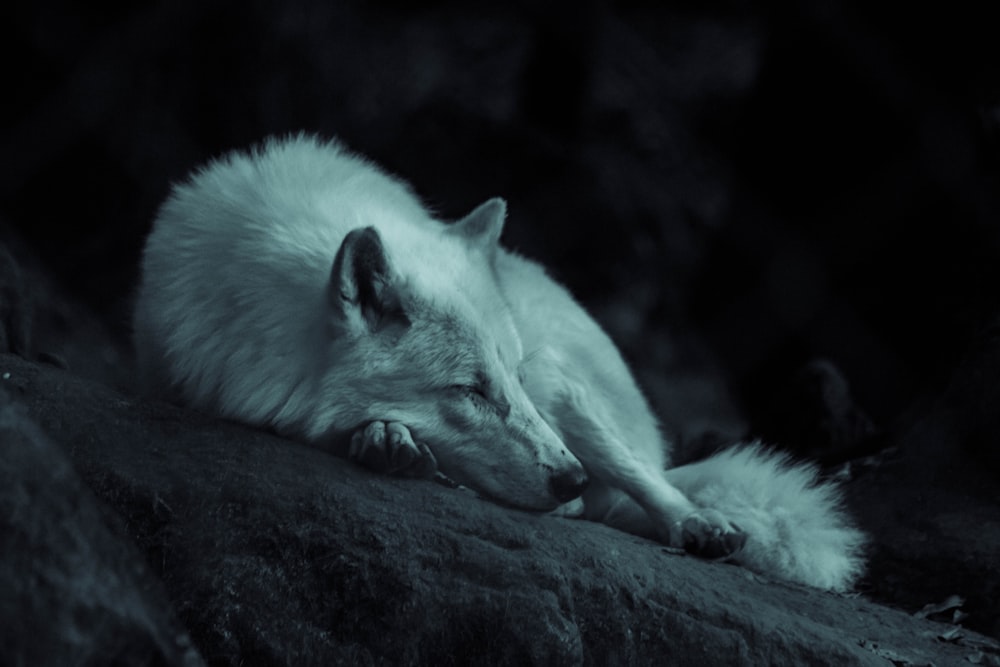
(483, 226)
(363, 289)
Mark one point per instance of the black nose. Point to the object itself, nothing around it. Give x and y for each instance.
(568, 484)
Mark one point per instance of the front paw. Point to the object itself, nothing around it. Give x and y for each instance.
(388, 447)
(709, 534)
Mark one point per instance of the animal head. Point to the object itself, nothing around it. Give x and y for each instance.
(425, 338)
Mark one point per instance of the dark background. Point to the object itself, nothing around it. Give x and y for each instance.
(733, 188)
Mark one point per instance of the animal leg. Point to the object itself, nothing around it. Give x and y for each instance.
(634, 495)
(388, 447)
(708, 533)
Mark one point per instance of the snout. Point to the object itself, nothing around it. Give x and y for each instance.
(567, 485)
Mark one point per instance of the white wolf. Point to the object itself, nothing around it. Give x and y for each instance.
(299, 287)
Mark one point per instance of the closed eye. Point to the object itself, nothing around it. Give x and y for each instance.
(472, 390)
(478, 395)
(479, 387)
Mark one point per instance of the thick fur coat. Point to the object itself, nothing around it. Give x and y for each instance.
(299, 287)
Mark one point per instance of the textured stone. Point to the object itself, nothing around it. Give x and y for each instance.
(75, 591)
(275, 553)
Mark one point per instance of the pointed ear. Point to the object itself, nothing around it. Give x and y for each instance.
(483, 226)
(362, 289)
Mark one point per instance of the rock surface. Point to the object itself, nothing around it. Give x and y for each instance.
(76, 591)
(274, 553)
(731, 190)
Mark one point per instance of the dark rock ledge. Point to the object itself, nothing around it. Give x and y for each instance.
(258, 550)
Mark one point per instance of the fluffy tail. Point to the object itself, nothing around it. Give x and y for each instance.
(796, 526)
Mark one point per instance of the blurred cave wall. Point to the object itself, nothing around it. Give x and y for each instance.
(727, 185)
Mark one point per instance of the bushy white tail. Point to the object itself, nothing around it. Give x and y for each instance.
(796, 527)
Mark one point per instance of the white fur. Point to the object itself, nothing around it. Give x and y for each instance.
(797, 527)
(239, 314)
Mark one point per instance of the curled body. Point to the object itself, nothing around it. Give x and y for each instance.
(299, 287)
